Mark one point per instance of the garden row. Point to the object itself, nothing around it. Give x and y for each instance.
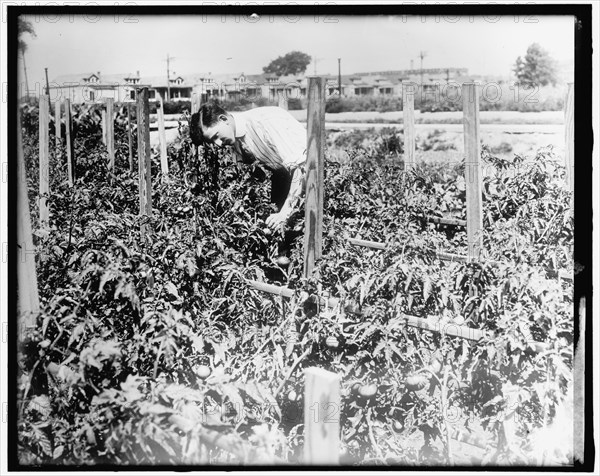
(151, 348)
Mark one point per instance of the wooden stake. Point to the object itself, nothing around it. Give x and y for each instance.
(579, 401)
(313, 235)
(57, 131)
(196, 100)
(445, 409)
(69, 143)
(322, 409)
(43, 160)
(103, 124)
(129, 140)
(570, 138)
(162, 137)
(473, 180)
(144, 157)
(29, 301)
(110, 133)
(408, 115)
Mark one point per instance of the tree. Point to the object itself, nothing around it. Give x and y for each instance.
(292, 63)
(24, 26)
(538, 67)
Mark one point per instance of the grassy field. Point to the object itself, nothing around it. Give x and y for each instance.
(435, 144)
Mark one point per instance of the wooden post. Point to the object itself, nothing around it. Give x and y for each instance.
(313, 234)
(162, 138)
(408, 116)
(29, 301)
(570, 138)
(144, 157)
(103, 112)
(43, 160)
(110, 133)
(579, 401)
(470, 92)
(283, 102)
(57, 131)
(129, 137)
(322, 409)
(69, 143)
(196, 100)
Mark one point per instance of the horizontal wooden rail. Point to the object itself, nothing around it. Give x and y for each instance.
(447, 221)
(449, 256)
(367, 244)
(382, 246)
(470, 439)
(439, 327)
(271, 288)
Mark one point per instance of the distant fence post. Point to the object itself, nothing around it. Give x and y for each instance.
(313, 234)
(69, 143)
(162, 137)
(44, 165)
(470, 92)
(57, 130)
(103, 125)
(322, 409)
(408, 116)
(110, 133)
(283, 102)
(144, 153)
(570, 138)
(28, 301)
(129, 139)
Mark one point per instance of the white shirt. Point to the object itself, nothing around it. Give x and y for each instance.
(272, 136)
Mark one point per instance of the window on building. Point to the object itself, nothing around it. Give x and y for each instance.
(132, 94)
(151, 94)
(92, 95)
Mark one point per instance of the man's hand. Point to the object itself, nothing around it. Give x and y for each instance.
(276, 221)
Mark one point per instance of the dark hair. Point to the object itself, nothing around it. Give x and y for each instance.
(208, 115)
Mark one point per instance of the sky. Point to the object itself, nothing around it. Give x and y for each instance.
(67, 44)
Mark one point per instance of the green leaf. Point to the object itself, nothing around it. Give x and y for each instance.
(172, 289)
(58, 451)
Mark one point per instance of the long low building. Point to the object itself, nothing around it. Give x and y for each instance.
(95, 86)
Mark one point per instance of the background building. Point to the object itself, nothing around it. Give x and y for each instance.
(95, 86)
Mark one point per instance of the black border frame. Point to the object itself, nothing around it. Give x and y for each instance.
(582, 192)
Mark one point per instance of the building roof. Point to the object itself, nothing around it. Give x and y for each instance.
(102, 79)
(385, 79)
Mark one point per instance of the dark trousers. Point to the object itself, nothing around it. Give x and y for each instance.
(281, 180)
